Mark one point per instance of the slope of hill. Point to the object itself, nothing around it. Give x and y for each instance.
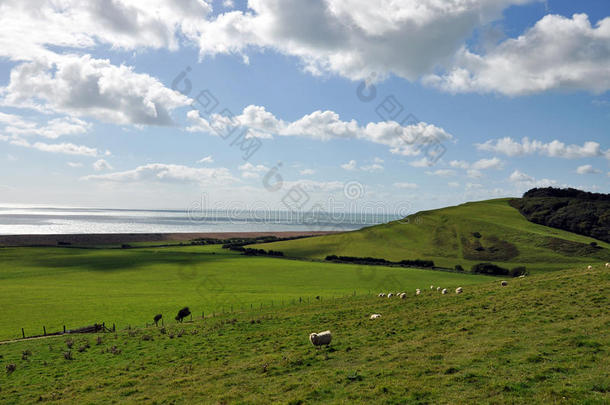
(484, 231)
(569, 209)
(542, 339)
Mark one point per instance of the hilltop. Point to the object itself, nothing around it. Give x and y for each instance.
(470, 233)
(541, 339)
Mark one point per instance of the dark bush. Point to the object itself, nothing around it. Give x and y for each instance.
(373, 261)
(458, 267)
(518, 271)
(476, 235)
(490, 268)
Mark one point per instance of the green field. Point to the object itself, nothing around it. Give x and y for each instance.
(446, 237)
(53, 287)
(542, 339)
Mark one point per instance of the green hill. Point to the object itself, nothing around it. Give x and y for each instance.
(542, 339)
(484, 231)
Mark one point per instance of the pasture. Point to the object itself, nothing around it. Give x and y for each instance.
(75, 287)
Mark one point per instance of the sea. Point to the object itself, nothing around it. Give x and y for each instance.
(24, 220)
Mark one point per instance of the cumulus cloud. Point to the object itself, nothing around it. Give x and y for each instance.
(63, 148)
(375, 167)
(100, 165)
(509, 147)
(349, 37)
(306, 172)
(323, 125)
(250, 171)
(16, 126)
(556, 53)
(587, 169)
(167, 173)
(75, 164)
(525, 180)
(351, 165)
(84, 86)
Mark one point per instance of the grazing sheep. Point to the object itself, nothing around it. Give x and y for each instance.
(183, 313)
(322, 338)
(607, 265)
(589, 267)
(417, 292)
(438, 288)
(381, 295)
(432, 287)
(374, 316)
(444, 291)
(157, 319)
(390, 295)
(503, 283)
(458, 290)
(522, 276)
(403, 296)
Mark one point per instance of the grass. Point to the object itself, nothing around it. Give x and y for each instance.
(542, 339)
(446, 237)
(53, 287)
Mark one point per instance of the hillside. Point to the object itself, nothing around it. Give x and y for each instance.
(568, 209)
(542, 339)
(449, 236)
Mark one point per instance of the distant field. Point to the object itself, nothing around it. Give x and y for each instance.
(77, 287)
(543, 339)
(446, 236)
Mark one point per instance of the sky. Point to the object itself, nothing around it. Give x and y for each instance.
(396, 106)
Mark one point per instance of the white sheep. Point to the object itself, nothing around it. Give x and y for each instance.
(432, 287)
(522, 276)
(390, 295)
(458, 290)
(438, 288)
(589, 267)
(607, 265)
(417, 292)
(375, 316)
(503, 283)
(381, 295)
(444, 291)
(322, 338)
(403, 296)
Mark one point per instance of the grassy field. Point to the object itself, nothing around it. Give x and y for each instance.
(53, 287)
(543, 339)
(446, 236)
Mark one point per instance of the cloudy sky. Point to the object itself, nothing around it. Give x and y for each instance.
(413, 103)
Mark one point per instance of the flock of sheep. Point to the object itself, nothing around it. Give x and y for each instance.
(403, 295)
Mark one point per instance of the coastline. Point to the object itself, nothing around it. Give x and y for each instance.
(118, 238)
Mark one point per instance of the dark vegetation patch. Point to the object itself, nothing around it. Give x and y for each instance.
(373, 261)
(568, 209)
(568, 247)
(488, 248)
(492, 269)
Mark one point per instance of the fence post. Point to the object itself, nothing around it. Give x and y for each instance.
(44, 330)
(22, 333)
(202, 315)
(191, 316)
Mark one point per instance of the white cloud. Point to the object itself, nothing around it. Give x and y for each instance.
(459, 164)
(473, 186)
(453, 184)
(169, 173)
(555, 148)
(228, 4)
(556, 53)
(587, 169)
(207, 159)
(83, 86)
(75, 164)
(378, 160)
(324, 125)
(423, 162)
(518, 176)
(100, 165)
(351, 165)
(250, 171)
(64, 148)
(406, 185)
(525, 180)
(484, 164)
(306, 172)
(16, 125)
(442, 173)
(375, 167)
(351, 37)
(474, 174)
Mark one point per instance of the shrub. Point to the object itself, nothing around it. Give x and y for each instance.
(458, 267)
(489, 268)
(518, 271)
(476, 234)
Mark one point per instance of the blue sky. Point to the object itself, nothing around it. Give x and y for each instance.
(90, 117)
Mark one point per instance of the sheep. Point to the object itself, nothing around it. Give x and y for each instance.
(157, 318)
(417, 292)
(322, 338)
(438, 288)
(503, 283)
(432, 287)
(381, 295)
(589, 267)
(444, 291)
(183, 313)
(390, 295)
(374, 316)
(458, 290)
(607, 265)
(403, 296)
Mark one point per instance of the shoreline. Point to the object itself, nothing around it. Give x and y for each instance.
(118, 238)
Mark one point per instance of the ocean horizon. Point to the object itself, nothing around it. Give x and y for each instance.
(26, 220)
